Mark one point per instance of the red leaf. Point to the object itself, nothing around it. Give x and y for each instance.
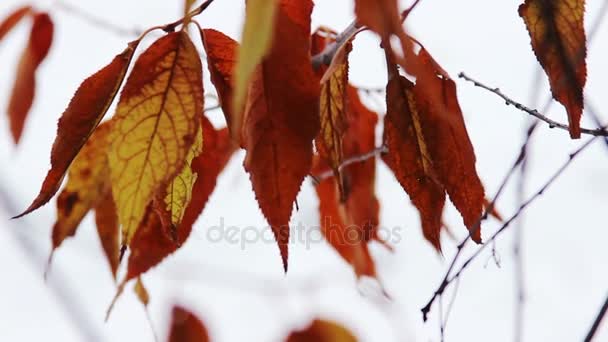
(448, 141)
(24, 88)
(409, 158)
(185, 327)
(86, 109)
(557, 31)
(221, 58)
(281, 119)
(108, 230)
(13, 19)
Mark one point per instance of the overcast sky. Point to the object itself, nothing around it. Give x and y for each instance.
(238, 289)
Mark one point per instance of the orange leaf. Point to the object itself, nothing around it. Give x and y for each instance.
(281, 119)
(108, 230)
(185, 327)
(221, 58)
(349, 225)
(448, 142)
(86, 109)
(408, 156)
(24, 88)
(322, 331)
(153, 242)
(557, 32)
(13, 19)
(88, 183)
(156, 122)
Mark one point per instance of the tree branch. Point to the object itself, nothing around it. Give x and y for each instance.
(447, 279)
(601, 132)
(327, 55)
(352, 160)
(597, 321)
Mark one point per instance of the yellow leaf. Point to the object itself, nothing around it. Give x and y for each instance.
(179, 192)
(156, 123)
(87, 183)
(256, 41)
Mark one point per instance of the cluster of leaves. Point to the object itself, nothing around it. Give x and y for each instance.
(148, 171)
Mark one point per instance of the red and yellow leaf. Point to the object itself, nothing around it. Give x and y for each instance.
(322, 331)
(281, 119)
(260, 20)
(153, 241)
(408, 156)
(221, 59)
(13, 19)
(87, 185)
(186, 327)
(348, 226)
(22, 97)
(155, 124)
(86, 109)
(557, 31)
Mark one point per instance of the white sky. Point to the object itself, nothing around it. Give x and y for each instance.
(241, 292)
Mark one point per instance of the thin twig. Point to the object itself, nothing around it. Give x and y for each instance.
(533, 112)
(327, 55)
(596, 323)
(445, 282)
(97, 21)
(507, 223)
(352, 160)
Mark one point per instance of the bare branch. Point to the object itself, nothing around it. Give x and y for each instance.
(352, 160)
(97, 21)
(445, 282)
(596, 323)
(552, 123)
(447, 279)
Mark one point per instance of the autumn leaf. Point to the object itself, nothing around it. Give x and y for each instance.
(155, 124)
(322, 331)
(22, 97)
(86, 109)
(13, 19)
(256, 42)
(557, 31)
(448, 141)
(185, 327)
(408, 156)
(153, 242)
(108, 229)
(221, 59)
(348, 226)
(281, 119)
(332, 113)
(87, 185)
